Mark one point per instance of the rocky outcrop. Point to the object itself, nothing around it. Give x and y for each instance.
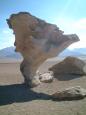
(70, 65)
(36, 40)
(72, 93)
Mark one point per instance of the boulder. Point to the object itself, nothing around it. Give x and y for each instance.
(70, 65)
(37, 41)
(72, 93)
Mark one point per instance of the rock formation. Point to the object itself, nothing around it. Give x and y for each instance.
(36, 40)
(70, 65)
(71, 93)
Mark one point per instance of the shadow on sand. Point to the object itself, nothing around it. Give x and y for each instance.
(19, 93)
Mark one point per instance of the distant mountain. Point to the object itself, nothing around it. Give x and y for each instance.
(75, 52)
(9, 52)
(81, 50)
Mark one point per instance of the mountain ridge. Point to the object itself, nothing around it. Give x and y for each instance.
(9, 52)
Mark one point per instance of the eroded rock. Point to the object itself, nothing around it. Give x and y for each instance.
(70, 65)
(71, 93)
(37, 40)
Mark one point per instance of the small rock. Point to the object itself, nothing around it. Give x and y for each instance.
(46, 77)
(72, 93)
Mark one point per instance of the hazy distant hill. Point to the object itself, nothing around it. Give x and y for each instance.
(75, 52)
(81, 50)
(9, 52)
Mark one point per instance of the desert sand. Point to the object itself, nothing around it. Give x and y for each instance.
(17, 99)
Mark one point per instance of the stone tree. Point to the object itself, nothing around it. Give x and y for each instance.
(36, 40)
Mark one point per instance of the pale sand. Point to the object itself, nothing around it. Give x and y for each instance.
(16, 99)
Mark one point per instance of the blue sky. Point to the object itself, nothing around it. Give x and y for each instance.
(68, 15)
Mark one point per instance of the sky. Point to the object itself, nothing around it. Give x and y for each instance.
(68, 15)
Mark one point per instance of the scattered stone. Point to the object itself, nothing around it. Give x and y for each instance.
(46, 77)
(37, 41)
(70, 65)
(72, 93)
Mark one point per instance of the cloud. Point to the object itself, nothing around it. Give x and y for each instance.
(6, 38)
(6, 31)
(74, 26)
(80, 24)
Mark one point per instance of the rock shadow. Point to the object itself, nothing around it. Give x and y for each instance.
(67, 77)
(19, 93)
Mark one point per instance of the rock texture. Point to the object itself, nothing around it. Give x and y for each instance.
(46, 77)
(36, 40)
(70, 65)
(71, 93)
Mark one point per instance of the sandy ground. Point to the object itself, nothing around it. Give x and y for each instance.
(16, 99)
